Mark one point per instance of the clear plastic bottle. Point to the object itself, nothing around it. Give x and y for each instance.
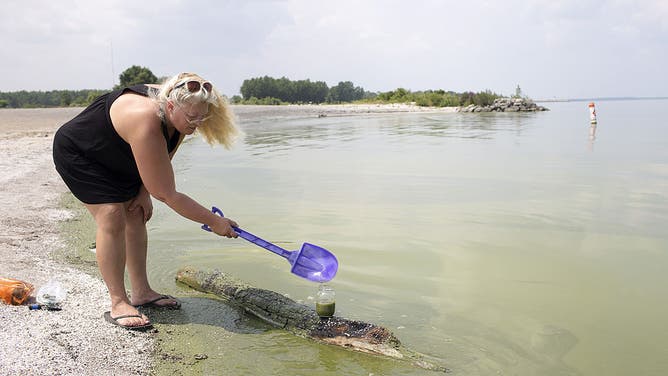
(325, 301)
(51, 295)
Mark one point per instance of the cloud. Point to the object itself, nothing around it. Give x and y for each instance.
(49, 42)
(570, 48)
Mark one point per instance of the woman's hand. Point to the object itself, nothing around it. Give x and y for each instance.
(142, 201)
(223, 227)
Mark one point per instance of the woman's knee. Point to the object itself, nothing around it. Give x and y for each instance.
(135, 217)
(109, 218)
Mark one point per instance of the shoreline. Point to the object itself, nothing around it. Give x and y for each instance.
(338, 109)
(43, 235)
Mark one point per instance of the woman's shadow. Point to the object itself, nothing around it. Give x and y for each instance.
(207, 310)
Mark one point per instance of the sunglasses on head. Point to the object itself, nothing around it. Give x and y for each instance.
(194, 86)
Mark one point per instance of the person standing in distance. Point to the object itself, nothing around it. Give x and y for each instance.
(116, 154)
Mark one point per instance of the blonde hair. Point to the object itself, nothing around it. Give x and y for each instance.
(220, 128)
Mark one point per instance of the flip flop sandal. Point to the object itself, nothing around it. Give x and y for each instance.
(114, 320)
(151, 304)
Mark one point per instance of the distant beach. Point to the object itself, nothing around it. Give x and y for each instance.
(264, 111)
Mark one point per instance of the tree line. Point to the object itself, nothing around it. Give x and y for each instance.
(262, 90)
(73, 98)
(438, 98)
(269, 90)
(52, 98)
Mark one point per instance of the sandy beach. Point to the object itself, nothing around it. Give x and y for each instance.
(76, 340)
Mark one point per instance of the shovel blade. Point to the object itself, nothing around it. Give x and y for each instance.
(314, 263)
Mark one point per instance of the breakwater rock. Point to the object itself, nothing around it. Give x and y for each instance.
(506, 105)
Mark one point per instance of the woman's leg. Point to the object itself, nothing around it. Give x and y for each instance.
(136, 242)
(110, 252)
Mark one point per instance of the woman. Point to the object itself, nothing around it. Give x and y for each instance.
(116, 154)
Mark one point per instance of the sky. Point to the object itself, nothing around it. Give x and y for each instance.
(550, 48)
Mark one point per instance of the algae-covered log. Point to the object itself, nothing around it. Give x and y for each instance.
(302, 320)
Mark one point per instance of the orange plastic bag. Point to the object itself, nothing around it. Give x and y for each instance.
(15, 292)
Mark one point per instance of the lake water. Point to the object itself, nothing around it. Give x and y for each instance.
(524, 243)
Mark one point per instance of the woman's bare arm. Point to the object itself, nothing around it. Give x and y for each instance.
(141, 129)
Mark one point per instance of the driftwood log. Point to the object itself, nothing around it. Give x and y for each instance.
(301, 320)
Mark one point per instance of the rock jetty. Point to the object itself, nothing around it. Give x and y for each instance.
(506, 105)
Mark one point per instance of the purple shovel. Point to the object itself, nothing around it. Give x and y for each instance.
(311, 262)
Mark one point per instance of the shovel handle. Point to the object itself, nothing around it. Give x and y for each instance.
(252, 238)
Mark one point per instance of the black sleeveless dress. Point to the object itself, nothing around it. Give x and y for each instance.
(94, 161)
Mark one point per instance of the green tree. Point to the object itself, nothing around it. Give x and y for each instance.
(485, 98)
(65, 98)
(466, 98)
(4, 103)
(136, 75)
(283, 89)
(345, 92)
